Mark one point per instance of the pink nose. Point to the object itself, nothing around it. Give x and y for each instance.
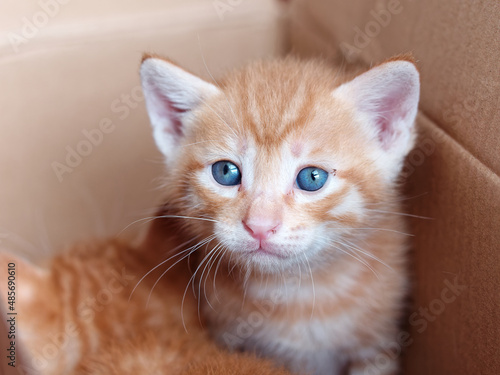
(261, 230)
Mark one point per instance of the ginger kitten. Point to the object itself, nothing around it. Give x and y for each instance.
(288, 170)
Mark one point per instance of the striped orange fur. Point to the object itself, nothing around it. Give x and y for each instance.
(88, 312)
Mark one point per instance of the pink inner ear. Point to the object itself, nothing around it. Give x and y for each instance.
(389, 110)
(175, 115)
(167, 109)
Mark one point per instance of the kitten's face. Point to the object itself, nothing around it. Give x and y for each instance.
(283, 163)
(244, 173)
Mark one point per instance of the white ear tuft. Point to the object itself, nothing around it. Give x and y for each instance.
(171, 94)
(386, 98)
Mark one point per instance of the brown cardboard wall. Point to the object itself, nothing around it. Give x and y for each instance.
(455, 316)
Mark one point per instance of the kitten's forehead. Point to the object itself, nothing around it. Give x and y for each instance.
(272, 101)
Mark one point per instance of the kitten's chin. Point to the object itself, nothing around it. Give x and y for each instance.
(266, 264)
(266, 249)
(265, 258)
(262, 251)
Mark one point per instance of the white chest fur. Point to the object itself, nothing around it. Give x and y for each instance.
(311, 327)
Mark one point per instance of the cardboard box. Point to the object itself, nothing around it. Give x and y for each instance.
(77, 158)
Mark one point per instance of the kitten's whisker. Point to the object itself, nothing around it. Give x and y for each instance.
(300, 275)
(220, 118)
(194, 248)
(400, 213)
(165, 272)
(195, 143)
(207, 252)
(151, 218)
(384, 203)
(362, 261)
(191, 280)
(286, 294)
(220, 253)
(225, 250)
(367, 253)
(397, 200)
(388, 230)
(209, 266)
(185, 217)
(331, 242)
(27, 248)
(312, 286)
(382, 229)
(147, 219)
(158, 265)
(246, 278)
(234, 265)
(217, 83)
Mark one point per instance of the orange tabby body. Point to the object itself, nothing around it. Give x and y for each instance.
(75, 316)
(289, 169)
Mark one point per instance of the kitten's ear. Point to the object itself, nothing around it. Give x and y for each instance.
(386, 100)
(171, 94)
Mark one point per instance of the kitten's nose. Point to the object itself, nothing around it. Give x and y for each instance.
(262, 229)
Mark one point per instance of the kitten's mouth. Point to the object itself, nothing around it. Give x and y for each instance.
(264, 250)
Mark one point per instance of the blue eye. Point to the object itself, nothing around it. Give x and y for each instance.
(226, 173)
(311, 178)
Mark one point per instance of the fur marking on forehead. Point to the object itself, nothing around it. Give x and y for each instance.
(297, 148)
